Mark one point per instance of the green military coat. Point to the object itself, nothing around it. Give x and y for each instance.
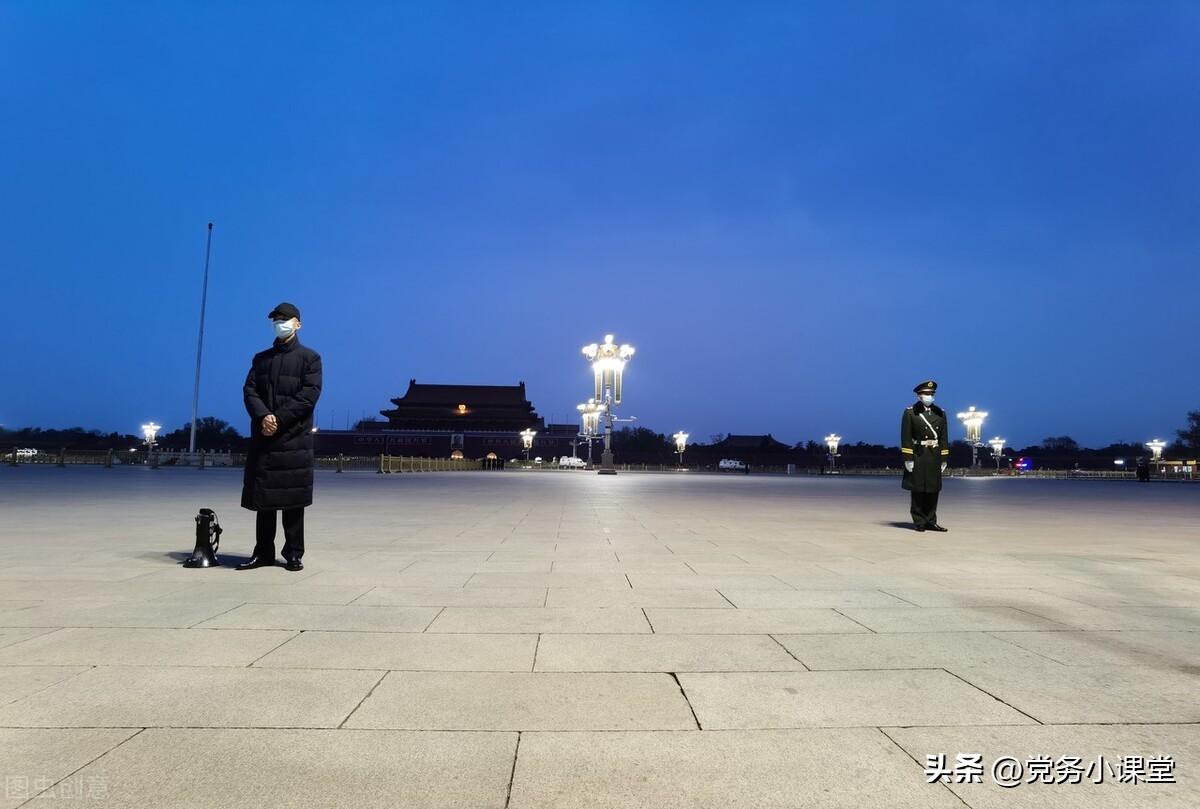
(917, 424)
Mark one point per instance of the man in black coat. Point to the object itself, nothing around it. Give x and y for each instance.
(925, 446)
(281, 393)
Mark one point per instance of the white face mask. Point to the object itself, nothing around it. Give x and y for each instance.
(284, 328)
(926, 399)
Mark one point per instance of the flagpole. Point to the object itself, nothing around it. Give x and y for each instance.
(200, 340)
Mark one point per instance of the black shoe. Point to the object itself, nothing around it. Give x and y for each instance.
(918, 528)
(936, 527)
(294, 564)
(255, 561)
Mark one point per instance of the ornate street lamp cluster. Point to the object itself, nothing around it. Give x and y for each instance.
(680, 445)
(608, 361)
(831, 442)
(150, 431)
(527, 440)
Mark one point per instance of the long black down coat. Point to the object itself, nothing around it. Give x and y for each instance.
(284, 380)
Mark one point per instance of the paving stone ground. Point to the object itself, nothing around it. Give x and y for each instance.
(540, 640)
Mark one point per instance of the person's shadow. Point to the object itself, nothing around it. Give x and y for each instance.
(899, 524)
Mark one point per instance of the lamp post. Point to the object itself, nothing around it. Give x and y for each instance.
(680, 444)
(527, 441)
(608, 366)
(150, 431)
(997, 445)
(972, 419)
(832, 440)
(1156, 448)
(589, 414)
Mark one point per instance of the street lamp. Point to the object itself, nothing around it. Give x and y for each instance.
(680, 444)
(972, 419)
(997, 445)
(608, 366)
(527, 440)
(1156, 448)
(150, 431)
(832, 440)
(589, 414)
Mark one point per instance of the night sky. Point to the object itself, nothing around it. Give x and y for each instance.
(794, 211)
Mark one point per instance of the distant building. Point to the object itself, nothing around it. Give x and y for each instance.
(750, 444)
(454, 421)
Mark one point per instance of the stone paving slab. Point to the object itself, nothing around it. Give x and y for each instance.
(840, 699)
(454, 597)
(948, 619)
(1118, 595)
(192, 697)
(749, 621)
(84, 573)
(255, 593)
(176, 613)
(405, 651)
(32, 759)
(17, 682)
(1120, 617)
(371, 577)
(761, 581)
(323, 616)
(1171, 649)
(144, 647)
(615, 580)
(1086, 742)
(11, 636)
(1057, 694)
(343, 769)
(517, 620)
(793, 599)
(640, 597)
(1024, 597)
(543, 701)
(774, 769)
(903, 650)
(134, 589)
(667, 653)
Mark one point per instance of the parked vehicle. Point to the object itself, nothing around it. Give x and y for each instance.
(731, 465)
(571, 462)
(21, 453)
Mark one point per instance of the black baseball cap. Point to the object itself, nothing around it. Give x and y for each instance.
(285, 311)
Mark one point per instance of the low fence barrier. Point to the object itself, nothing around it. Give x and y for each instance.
(109, 458)
(64, 457)
(388, 464)
(403, 463)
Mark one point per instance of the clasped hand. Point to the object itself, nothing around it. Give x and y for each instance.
(270, 425)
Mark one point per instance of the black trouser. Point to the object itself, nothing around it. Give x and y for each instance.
(293, 534)
(924, 509)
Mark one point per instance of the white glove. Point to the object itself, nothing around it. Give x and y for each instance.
(943, 466)
(908, 466)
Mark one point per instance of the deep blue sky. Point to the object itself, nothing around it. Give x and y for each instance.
(795, 211)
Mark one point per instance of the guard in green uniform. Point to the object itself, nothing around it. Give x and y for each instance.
(925, 448)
